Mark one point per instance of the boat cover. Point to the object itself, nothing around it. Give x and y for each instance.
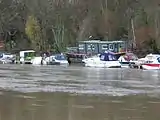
(107, 56)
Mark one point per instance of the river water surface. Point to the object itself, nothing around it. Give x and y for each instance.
(78, 93)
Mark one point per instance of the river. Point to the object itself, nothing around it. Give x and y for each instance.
(78, 93)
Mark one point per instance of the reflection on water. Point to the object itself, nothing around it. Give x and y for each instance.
(78, 93)
(63, 106)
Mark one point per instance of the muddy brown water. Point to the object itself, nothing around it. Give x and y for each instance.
(78, 93)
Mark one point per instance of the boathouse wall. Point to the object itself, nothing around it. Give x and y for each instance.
(97, 46)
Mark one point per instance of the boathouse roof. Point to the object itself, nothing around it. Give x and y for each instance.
(99, 41)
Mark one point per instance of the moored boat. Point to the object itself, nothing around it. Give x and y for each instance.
(76, 57)
(128, 59)
(104, 60)
(7, 58)
(151, 62)
(27, 56)
(57, 59)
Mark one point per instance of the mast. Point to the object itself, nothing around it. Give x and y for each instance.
(134, 37)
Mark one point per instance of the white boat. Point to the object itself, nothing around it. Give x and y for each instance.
(38, 61)
(151, 62)
(6, 58)
(104, 60)
(27, 56)
(148, 57)
(128, 59)
(58, 59)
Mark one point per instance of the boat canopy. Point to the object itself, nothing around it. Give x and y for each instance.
(108, 56)
(60, 57)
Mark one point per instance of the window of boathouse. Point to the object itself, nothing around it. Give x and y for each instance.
(105, 47)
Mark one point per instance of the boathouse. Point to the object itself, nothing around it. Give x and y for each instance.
(98, 46)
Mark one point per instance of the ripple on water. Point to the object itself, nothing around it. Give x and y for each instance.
(79, 80)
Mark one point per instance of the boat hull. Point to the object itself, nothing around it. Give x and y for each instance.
(127, 64)
(104, 64)
(58, 63)
(151, 66)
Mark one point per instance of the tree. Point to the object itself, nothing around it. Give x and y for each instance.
(33, 31)
(53, 22)
(59, 35)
